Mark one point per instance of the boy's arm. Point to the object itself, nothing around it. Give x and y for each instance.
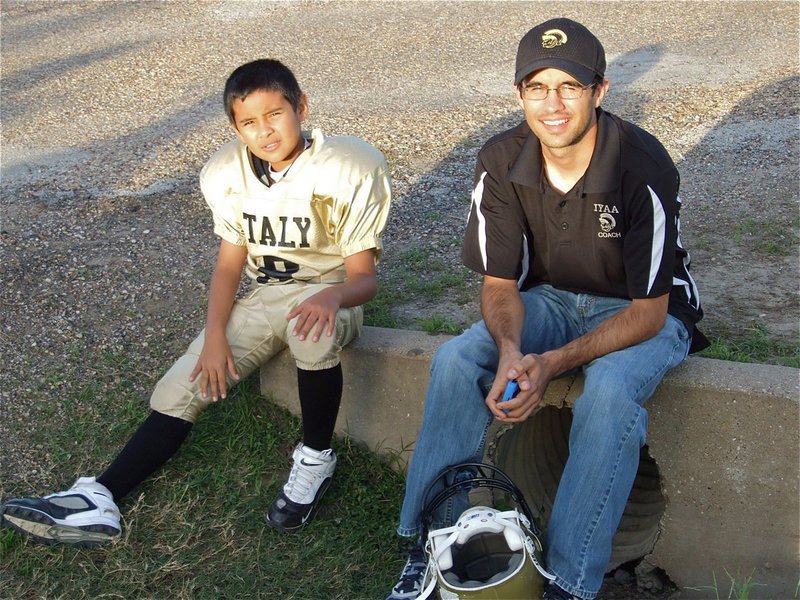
(321, 308)
(216, 358)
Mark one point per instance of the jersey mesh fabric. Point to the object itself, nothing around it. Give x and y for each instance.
(332, 203)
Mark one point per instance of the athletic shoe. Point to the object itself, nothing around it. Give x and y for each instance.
(310, 476)
(85, 515)
(411, 580)
(553, 592)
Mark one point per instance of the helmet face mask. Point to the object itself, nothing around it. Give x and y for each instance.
(488, 553)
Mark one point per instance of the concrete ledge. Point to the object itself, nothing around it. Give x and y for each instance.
(724, 436)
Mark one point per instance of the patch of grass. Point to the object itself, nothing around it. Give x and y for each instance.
(421, 280)
(428, 276)
(739, 588)
(196, 529)
(439, 282)
(378, 311)
(7, 541)
(439, 324)
(769, 238)
(753, 345)
(414, 258)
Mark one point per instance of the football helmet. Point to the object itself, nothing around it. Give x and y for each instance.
(494, 549)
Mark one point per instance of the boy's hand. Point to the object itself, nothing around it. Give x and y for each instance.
(320, 310)
(216, 359)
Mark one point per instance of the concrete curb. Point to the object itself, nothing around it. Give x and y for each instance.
(723, 434)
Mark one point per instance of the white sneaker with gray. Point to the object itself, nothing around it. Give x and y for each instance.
(84, 515)
(298, 501)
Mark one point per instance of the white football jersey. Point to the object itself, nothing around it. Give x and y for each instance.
(333, 202)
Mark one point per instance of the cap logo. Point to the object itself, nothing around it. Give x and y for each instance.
(553, 37)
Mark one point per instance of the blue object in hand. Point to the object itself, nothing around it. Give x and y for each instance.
(511, 390)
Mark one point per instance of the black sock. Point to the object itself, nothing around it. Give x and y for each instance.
(157, 439)
(320, 397)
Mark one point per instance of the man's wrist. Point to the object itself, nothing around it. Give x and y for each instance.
(508, 349)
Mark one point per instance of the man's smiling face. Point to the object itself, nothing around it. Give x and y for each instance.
(558, 123)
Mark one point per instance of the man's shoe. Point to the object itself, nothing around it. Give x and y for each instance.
(411, 580)
(553, 592)
(85, 515)
(310, 476)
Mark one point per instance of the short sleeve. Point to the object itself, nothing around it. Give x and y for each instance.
(494, 241)
(223, 206)
(651, 238)
(362, 213)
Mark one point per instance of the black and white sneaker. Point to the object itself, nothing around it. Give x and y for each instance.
(310, 476)
(413, 577)
(85, 515)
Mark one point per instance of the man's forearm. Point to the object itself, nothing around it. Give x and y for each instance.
(503, 313)
(638, 322)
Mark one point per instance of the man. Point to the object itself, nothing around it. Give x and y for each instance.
(574, 226)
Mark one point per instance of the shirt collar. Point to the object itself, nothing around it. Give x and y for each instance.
(603, 173)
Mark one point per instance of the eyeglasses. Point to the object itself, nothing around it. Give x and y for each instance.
(566, 91)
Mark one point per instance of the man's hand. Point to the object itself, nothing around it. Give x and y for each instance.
(532, 373)
(320, 310)
(216, 359)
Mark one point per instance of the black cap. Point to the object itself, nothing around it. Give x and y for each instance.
(561, 44)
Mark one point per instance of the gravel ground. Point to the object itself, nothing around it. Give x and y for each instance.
(110, 109)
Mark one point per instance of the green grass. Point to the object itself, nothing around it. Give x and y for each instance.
(422, 285)
(196, 530)
(378, 311)
(769, 238)
(739, 587)
(439, 324)
(753, 345)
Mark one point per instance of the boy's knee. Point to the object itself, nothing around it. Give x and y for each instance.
(175, 396)
(324, 353)
(313, 356)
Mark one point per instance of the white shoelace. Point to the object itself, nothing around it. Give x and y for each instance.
(302, 480)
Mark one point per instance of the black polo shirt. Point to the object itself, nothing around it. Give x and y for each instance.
(616, 233)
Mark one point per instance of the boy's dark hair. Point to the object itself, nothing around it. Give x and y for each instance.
(261, 74)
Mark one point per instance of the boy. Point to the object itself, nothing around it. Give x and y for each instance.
(304, 216)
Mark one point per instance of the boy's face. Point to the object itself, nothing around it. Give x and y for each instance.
(268, 125)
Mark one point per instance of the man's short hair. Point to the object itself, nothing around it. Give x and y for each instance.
(262, 74)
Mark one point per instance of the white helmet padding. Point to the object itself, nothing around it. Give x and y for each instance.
(476, 522)
(483, 548)
(488, 553)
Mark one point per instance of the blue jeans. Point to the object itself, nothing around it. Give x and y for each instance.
(608, 429)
